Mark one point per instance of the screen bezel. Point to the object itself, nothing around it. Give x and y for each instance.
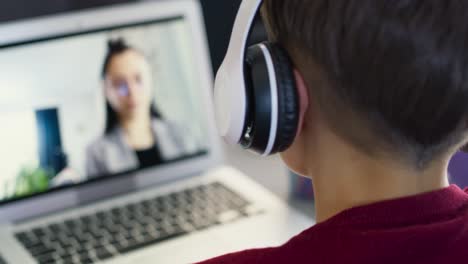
(120, 16)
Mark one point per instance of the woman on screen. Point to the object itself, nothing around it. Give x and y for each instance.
(136, 135)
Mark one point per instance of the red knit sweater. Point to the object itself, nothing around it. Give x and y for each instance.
(428, 228)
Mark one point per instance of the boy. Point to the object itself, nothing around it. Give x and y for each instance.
(387, 83)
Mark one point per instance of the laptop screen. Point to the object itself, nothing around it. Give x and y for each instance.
(94, 105)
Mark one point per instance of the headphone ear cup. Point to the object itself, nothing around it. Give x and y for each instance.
(288, 98)
(272, 114)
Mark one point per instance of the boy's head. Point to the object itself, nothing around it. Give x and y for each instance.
(390, 78)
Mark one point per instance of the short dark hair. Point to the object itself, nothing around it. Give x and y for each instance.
(400, 68)
(114, 48)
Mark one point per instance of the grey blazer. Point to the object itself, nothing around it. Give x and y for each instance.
(110, 154)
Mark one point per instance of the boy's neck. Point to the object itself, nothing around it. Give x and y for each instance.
(344, 178)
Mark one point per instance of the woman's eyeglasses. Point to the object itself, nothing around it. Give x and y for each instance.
(123, 86)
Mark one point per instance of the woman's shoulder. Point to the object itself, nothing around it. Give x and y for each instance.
(103, 142)
(168, 127)
(176, 134)
(164, 123)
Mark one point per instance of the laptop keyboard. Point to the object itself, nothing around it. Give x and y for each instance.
(120, 230)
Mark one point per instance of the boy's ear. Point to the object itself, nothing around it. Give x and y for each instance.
(303, 98)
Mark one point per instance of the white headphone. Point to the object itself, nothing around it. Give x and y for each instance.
(256, 99)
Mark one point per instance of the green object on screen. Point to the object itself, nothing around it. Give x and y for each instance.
(31, 180)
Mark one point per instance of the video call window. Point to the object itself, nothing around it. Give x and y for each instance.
(97, 104)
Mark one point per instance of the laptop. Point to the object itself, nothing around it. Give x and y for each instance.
(109, 152)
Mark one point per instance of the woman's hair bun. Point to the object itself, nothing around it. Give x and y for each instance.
(117, 45)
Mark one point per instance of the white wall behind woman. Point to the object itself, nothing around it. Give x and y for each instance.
(60, 74)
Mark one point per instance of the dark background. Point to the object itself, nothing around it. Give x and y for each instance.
(219, 16)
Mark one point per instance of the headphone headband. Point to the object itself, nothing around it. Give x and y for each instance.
(230, 91)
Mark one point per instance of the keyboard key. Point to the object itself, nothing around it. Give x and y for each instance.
(103, 253)
(66, 254)
(88, 219)
(72, 223)
(86, 261)
(76, 249)
(113, 230)
(39, 232)
(132, 242)
(97, 234)
(68, 260)
(22, 236)
(252, 210)
(102, 215)
(46, 258)
(83, 255)
(47, 262)
(149, 241)
(204, 223)
(228, 216)
(65, 241)
(82, 238)
(40, 250)
(119, 246)
(26, 241)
